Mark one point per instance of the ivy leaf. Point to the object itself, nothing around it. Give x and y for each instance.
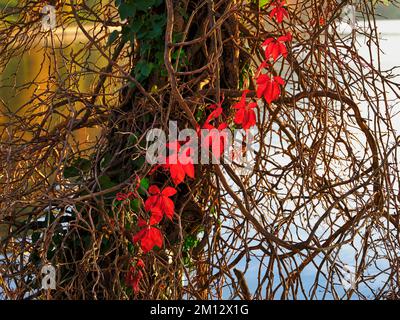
(133, 139)
(112, 37)
(144, 68)
(127, 10)
(262, 3)
(190, 242)
(157, 23)
(136, 25)
(139, 162)
(83, 164)
(70, 172)
(144, 186)
(135, 205)
(145, 5)
(78, 167)
(106, 183)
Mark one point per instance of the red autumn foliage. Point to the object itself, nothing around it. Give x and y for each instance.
(124, 196)
(217, 111)
(245, 115)
(133, 278)
(179, 163)
(269, 87)
(274, 48)
(215, 138)
(140, 263)
(148, 237)
(278, 12)
(159, 203)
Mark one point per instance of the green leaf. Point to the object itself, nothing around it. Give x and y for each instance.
(144, 186)
(127, 10)
(187, 261)
(70, 172)
(79, 166)
(127, 34)
(112, 37)
(131, 247)
(144, 5)
(136, 25)
(139, 162)
(106, 183)
(157, 23)
(263, 3)
(133, 139)
(144, 68)
(135, 205)
(83, 164)
(190, 242)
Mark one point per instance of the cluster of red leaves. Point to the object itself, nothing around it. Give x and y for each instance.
(124, 196)
(214, 137)
(148, 237)
(269, 86)
(275, 48)
(134, 275)
(179, 163)
(245, 115)
(160, 204)
(278, 11)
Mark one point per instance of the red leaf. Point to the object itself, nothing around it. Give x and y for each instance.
(133, 278)
(136, 281)
(156, 216)
(140, 263)
(269, 88)
(189, 170)
(168, 207)
(278, 12)
(239, 116)
(136, 238)
(245, 114)
(168, 192)
(151, 202)
(154, 189)
(175, 164)
(274, 48)
(177, 173)
(160, 204)
(215, 139)
(149, 237)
